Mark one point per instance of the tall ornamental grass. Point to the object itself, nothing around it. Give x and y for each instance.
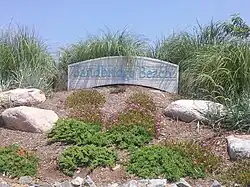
(119, 43)
(25, 60)
(214, 64)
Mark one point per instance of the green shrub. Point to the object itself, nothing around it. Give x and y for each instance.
(238, 173)
(142, 100)
(159, 161)
(201, 155)
(80, 98)
(86, 113)
(128, 137)
(72, 131)
(136, 116)
(17, 162)
(87, 156)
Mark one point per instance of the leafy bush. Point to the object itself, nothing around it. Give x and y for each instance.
(200, 155)
(80, 98)
(159, 161)
(25, 60)
(86, 113)
(128, 136)
(17, 162)
(76, 132)
(87, 156)
(72, 131)
(136, 116)
(238, 173)
(142, 100)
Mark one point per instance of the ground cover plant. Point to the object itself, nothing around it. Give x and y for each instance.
(72, 131)
(85, 97)
(85, 105)
(160, 161)
(200, 154)
(139, 111)
(16, 161)
(89, 155)
(238, 173)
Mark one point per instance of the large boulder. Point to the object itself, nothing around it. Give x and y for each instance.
(193, 110)
(29, 119)
(22, 97)
(238, 146)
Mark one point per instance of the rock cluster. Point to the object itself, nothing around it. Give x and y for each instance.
(26, 181)
(21, 113)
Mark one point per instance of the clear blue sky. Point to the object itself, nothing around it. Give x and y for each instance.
(63, 22)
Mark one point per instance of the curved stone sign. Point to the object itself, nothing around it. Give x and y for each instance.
(142, 71)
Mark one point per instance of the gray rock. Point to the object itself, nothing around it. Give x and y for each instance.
(216, 184)
(182, 183)
(4, 185)
(113, 185)
(34, 185)
(22, 97)
(64, 184)
(46, 185)
(193, 110)
(157, 183)
(89, 182)
(25, 180)
(238, 146)
(29, 119)
(78, 181)
(132, 183)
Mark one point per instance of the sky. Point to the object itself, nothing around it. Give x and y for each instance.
(64, 22)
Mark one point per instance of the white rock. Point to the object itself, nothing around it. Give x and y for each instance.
(157, 183)
(29, 119)
(78, 181)
(216, 184)
(193, 110)
(89, 182)
(132, 183)
(182, 183)
(238, 146)
(25, 180)
(22, 97)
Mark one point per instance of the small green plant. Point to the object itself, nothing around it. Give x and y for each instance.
(81, 98)
(72, 131)
(160, 161)
(129, 137)
(201, 155)
(136, 116)
(142, 100)
(86, 113)
(16, 161)
(88, 156)
(238, 173)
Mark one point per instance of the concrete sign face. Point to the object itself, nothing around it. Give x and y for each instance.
(142, 71)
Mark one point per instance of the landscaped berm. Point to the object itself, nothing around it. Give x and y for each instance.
(192, 132)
